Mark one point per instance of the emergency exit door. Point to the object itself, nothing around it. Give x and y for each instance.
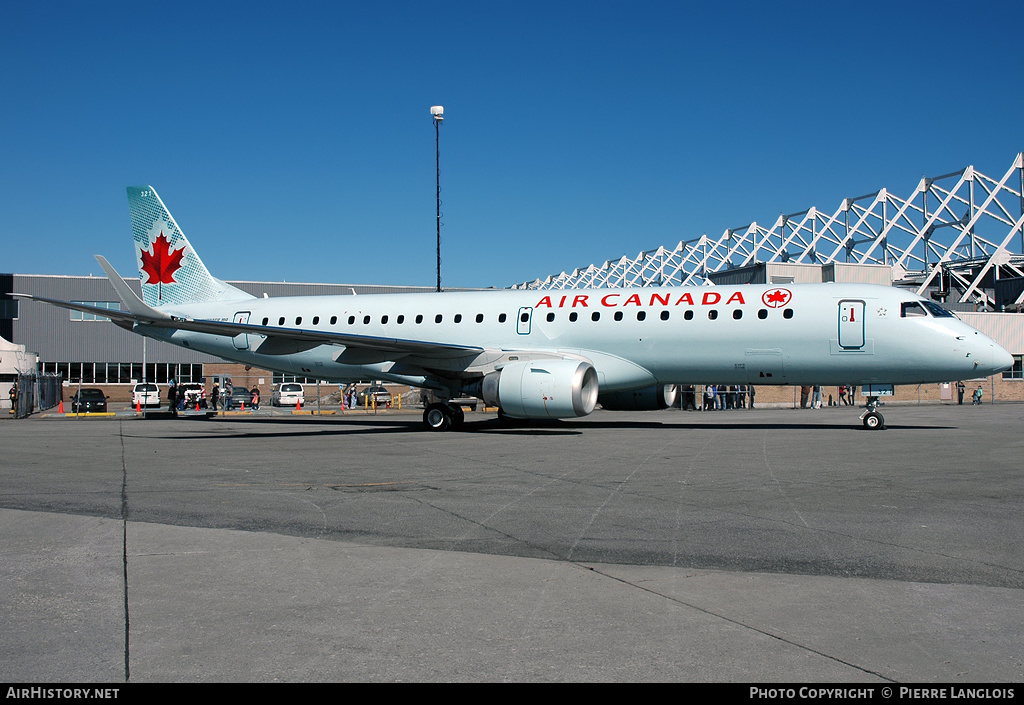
(241, 341)
(851, 324)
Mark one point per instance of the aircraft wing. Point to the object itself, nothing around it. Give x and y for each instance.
(278, 338)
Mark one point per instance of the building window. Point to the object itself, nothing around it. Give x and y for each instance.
(1017, 371)
(82, 316)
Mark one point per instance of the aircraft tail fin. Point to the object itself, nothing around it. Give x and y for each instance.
(169, 268)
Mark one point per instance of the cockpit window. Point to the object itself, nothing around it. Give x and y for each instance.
(912, 309)
(937, 310)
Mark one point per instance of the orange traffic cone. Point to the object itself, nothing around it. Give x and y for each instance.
(298, 406)
(138, 406)
(243, 406)
(61, 409)
(197, 406)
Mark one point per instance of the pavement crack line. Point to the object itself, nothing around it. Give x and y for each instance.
(737, 623)
(124, 548)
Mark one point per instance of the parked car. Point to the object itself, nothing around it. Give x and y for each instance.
(89, 400)
(146, 395)
(239, 396)
(375, 392)
(287, 394)
(192, 393)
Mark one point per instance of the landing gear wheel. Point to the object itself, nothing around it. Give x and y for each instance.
(438, 417)
(458, 416)
(873, 421)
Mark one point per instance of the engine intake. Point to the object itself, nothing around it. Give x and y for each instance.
(542, 389)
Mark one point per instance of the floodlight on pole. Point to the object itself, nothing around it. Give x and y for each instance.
(437, 113)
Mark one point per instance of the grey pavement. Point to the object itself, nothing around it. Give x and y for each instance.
(745, 546)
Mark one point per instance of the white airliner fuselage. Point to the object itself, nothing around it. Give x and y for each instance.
(825, 334)
(549, 354)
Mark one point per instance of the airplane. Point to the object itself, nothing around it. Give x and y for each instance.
(550, 354)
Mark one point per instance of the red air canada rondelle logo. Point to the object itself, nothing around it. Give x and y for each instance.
(776, 298)
(160, 263)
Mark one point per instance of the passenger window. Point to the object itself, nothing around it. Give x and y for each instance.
(502, 318)
(573, 316)
(366, 319)
(316, 320)
(334, 319)
(437, 318)
(788, 313)
(351, 320)
(458, 318)
(688, 315)
(712, 314)
(479, 318)
(641, 315)
(400, 320)
(762, 313)
(737, 314)
(298, 320)
(595, 316)
(280, 321)
(383, 320)
(419, 318)
(551, 317)
(618, 315)
(664, 315)
(266, 321)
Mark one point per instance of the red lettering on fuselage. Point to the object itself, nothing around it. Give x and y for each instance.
(708, 298)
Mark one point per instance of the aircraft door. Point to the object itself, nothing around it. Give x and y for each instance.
(241, 341)
(851, 324)
(523, 324)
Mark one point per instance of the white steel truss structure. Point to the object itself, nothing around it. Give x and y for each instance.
(954, 236)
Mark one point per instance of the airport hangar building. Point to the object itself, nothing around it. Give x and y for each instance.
(92, 351)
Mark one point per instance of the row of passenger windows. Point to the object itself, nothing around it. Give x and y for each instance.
(737, 314)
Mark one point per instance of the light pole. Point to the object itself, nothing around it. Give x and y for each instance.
(437, 112)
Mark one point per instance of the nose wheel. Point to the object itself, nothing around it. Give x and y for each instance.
(873, 421)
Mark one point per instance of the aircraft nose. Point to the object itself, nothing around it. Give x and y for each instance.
(1001, 360)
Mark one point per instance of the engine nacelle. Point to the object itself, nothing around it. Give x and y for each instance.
(660, 396)
(542, 389)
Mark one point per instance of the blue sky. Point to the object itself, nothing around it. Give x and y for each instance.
(294, 141)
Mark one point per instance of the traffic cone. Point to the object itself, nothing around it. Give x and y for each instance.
(243, 406)
(61, 409)
(138, 406)
(197, 406)
(298, 406)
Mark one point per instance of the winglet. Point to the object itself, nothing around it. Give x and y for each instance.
(128, 298)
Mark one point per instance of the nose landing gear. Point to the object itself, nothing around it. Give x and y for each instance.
(873, 421)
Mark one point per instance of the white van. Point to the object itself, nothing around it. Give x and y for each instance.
(287, 394)
(146, 395)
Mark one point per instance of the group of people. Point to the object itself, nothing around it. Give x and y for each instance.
(975, 397)
(178, 398)
(811, 396)
(718, 397)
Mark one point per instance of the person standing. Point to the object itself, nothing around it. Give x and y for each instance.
(960, 388)
(215, 395)
(977, 396)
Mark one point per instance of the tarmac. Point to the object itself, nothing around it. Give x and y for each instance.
(745, 546)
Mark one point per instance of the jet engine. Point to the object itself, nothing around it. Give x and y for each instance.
(660, 396)
(542, 389)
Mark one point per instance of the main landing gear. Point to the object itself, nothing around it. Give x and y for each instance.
(442, 417)
(873, 421)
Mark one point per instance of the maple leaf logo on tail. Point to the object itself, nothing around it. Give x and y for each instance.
(160, 262)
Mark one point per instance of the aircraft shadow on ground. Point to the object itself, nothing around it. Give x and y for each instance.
(298, 427)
